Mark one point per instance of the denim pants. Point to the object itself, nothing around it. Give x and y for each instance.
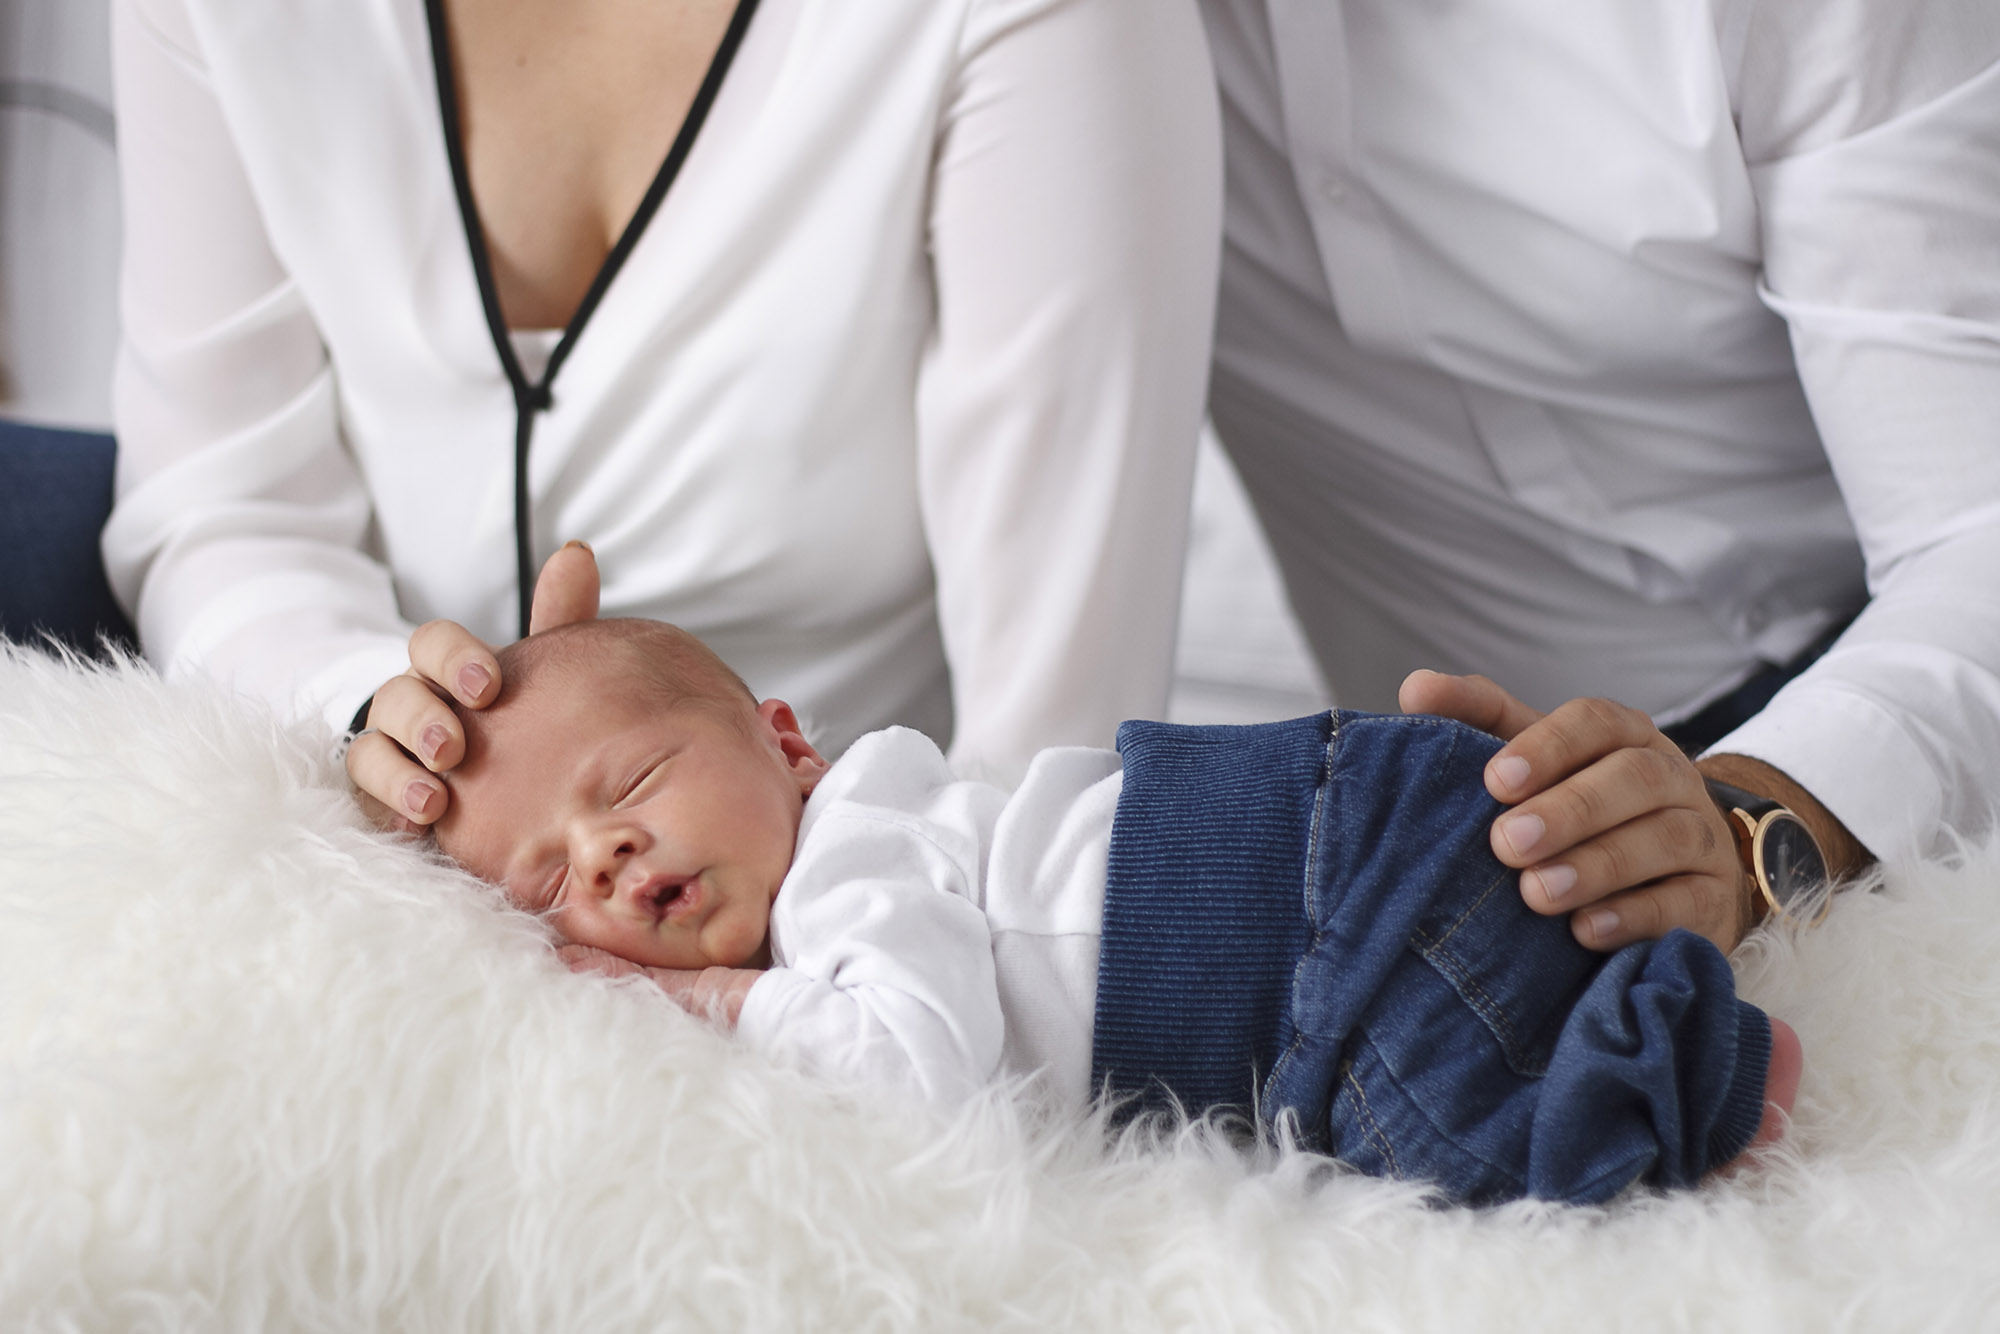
(1306, 919)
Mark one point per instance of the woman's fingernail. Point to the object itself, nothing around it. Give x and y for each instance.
(1600, 923)
(1522, 833)
(417, 797)
(1512, 771)
(473, 680)
(433, 741)
(1556, 880)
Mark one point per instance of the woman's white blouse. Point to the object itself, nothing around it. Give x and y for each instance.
(1612, 348)
(907, 370)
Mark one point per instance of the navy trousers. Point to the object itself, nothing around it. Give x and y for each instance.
(55, 493)
(1306, 918)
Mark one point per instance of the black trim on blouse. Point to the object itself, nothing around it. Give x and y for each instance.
(533, 397)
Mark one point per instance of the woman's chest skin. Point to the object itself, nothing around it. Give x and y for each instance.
(567, 108)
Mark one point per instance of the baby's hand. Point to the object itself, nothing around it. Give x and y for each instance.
(711, 993)
(589, 959)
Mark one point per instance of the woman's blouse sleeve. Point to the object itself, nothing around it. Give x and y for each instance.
(236, 539)
(1872, 128)
(1075, 236)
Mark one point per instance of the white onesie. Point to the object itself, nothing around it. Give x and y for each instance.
(934, 931)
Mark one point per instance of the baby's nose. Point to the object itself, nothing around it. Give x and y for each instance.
(607, 856)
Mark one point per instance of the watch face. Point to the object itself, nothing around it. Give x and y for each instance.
(1787, 858)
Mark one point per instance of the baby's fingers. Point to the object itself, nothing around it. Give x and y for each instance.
(590, 959)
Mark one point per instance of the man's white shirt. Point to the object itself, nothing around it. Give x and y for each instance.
(1618, 348)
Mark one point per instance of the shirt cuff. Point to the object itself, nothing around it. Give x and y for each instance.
(338, 689)
(1856, 759)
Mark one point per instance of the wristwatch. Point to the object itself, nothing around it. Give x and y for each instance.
(1779, 853)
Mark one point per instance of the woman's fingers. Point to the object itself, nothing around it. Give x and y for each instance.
(566, 590)
(403, 791)
(412, 733)
(459, 662)
(410, 713)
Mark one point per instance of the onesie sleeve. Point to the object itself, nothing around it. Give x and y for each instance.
(887, 965)
(237, 535)
(1873, 134)
(1075, 237)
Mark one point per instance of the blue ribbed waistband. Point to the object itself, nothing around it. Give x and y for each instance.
(1205, 907)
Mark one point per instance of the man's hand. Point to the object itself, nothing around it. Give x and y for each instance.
(412, 735)
(715, 994)
(1609, 821)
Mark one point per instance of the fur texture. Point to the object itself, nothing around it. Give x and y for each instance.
(262, 1068)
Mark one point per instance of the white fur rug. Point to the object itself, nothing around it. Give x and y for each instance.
(263, 1069)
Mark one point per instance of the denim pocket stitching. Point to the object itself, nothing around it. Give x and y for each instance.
(1430, 950)
(1371, 1129)
(1473, 907)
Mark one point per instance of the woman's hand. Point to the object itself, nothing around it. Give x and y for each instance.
(1610, 822)
(412, 735)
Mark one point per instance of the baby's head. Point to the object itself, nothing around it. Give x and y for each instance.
(628, 784)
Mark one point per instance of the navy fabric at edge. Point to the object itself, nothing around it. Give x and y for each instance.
(1307, 918)
(55, 493)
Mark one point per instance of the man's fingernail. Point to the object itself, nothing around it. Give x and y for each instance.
(1556, 880)
(473, 679)
(1522, 833)
(433, 741)
(1600, 923)
(417, 797)
(579, 542)
(1512, 771)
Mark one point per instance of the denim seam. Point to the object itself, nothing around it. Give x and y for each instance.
(1445, 1136)
(1321, 800)
(1370, 1127)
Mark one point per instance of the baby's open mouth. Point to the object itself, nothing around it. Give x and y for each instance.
(667, 895)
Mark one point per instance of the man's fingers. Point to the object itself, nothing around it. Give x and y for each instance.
(457, 660)
(1622, 786)
(1473, 700)
(382, 770)
(1578, 734)
(1701, 904)
(566, 590)
(1658, 846)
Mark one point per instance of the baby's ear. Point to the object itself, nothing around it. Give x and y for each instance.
(801, 760)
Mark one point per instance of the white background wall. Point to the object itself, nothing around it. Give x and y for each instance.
(1240, 656)
(58, 212)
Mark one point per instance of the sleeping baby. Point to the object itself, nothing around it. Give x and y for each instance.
(1300, 920)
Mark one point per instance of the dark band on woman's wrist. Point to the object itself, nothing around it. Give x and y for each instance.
(360, 721)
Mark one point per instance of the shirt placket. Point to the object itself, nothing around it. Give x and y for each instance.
(1356, 251)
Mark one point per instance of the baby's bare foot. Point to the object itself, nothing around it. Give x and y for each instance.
(1781, 1085)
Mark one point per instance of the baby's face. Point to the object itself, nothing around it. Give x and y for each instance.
(661, 836)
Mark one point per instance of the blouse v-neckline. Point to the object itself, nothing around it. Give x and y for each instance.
(534, 395)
